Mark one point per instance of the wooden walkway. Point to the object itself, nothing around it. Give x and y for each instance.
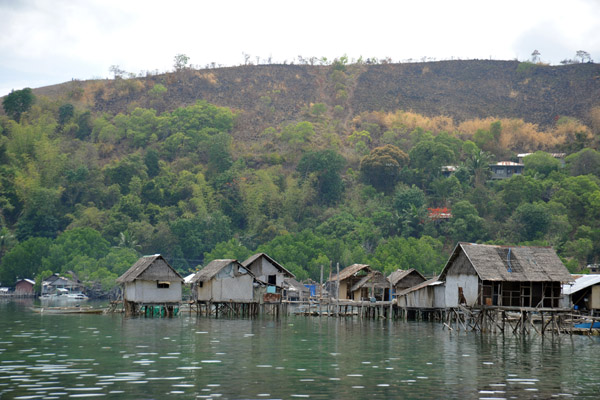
(486, 319)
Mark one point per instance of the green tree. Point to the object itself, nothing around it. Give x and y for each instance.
(326, 166)
(424, 254)
(532, 220)
(586, 161)
(540, 164)
(199, 235)
(428, 157)
(231, 249)
(65, 113)
(466, 225)
(381, 168)
(23, 261)
(18, 102)
(79, 242)
(180, 61)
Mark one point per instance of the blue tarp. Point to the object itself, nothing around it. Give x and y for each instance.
(271, 289)
(313, 289)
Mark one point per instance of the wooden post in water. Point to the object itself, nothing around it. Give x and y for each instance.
(320, 293)
(390, 300)
(338, 288)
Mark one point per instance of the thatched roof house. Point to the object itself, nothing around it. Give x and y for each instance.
(373, 285)
(404, 279)
(151, 280)
(224, 280)
(348, 277)
(519, 276)
(267, 270)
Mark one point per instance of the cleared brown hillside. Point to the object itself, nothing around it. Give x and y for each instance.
(268, 95)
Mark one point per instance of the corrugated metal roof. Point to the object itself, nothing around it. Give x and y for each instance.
(507, 164)
(581, 282)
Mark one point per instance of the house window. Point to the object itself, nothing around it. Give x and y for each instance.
(272, 279)
(163, 285)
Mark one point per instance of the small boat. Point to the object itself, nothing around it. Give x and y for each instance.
(76, 296)
(63, 294)
(588, 325)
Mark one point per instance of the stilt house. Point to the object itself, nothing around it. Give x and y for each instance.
(425, 295)
(374, 285)
(224, 281)
(506, 276)
(267, 270)
(404, 279)
(151, 281)
(583, 293)
(348, 277)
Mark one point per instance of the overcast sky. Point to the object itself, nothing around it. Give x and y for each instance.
(45, 42)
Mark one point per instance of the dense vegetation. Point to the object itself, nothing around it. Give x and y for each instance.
(88, 192)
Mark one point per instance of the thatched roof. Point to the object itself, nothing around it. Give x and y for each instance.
(350, 271)
(150, 268)
(293, 284)
(212, 269)
(280, 267)
(400, 274)
(511, 263)
(373, 279)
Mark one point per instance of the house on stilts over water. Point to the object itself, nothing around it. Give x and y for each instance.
(269, 271)
(507, 276)
(339, 286)
(151, 285)
(481, 283)
(404, 279)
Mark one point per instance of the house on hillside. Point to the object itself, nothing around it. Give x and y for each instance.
(348, 277)
(506, 169)
(267, 270)
(151, 281)
(24, 287)
(583, 293)
(224, 281)
(404, 279)
(374, 285)
(509, 276)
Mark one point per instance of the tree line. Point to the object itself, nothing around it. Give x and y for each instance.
(86, 193)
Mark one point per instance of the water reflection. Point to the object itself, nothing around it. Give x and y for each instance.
(71, 356)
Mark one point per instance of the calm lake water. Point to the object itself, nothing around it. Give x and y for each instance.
(84, 356)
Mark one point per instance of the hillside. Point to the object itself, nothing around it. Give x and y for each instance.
(267, 95)
(314, 165)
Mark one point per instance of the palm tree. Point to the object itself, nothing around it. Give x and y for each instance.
(479, 166)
